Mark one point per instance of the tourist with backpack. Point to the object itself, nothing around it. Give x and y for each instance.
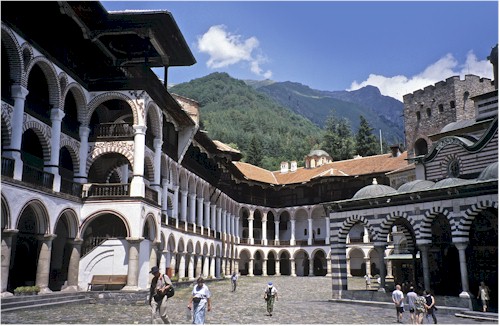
(234, 280)
(270, 294)
(159, 292)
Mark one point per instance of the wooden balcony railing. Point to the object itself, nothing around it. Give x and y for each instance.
(112, 131)
(37, 177)
(108, 190)
(71, 188)
(151, 194)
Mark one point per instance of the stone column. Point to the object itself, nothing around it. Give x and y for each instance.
(213, 215)
(207, 217)
(217, 267)
(7, 235)
(173, 262)
(84, 132)
(277, 231)
(237, 229)
(19, 94)
(264, 267)
(219, 217)
(56, 116)
(327, 234)
(212, 267)
(250, 228)
(264, 229)
(389, 269)
(137, 186)
(292, 232)
(164, 197)
(198, 266)
(292, 265)
(43, 267)
(348, 267)
(380, 248)
(424, 255)
(133, 264)
(74, 266)
(182, 266)
(192, 208)
(368, 268)
(461, 246)
(175, 200)
(157, 144)
(206, 266)
(311, 267)
(184, 194)
(250, 267)
(191, 267)
(199, 215)
(309, 231)
(366, 236)
(329, 267)
(277, 267)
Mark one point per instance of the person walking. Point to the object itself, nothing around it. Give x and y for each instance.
(398, 299)
(484, 294)
(270, 294)
(157, 296)
(200, 301)
(234, 279)
(430, 306)
(419, 309)
(367, 281)
(411, 297)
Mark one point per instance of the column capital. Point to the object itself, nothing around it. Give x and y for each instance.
(134, 240)
(75, 241)
(139, 129)
(9, 232)
(423, 246)
(57, 114)
(47, 237)
(461, 245)
(19, 91)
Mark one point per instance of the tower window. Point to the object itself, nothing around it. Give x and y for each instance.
(440, 108)
(418, 115)
(429, 112)
(452, 104)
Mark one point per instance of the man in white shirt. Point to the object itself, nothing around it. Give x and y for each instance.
(398, 298)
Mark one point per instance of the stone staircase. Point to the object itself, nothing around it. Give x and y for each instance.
(480, 316)
(42, 300)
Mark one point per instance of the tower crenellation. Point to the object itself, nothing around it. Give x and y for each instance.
(428, 110)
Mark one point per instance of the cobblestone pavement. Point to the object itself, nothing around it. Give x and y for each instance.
(302, 300)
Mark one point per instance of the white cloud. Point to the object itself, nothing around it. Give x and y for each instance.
(446, 67)
(226, 49)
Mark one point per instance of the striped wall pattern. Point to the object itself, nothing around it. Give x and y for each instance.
(416, 227)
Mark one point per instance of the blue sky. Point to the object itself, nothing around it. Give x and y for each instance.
(398, 46)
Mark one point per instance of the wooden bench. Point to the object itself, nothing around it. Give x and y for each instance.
(106, 282)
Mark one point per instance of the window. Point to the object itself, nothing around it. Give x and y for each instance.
(319, 231)
(454, 168)
(305, 231)
(452, 104)
(418, 115)
(440, 108)
(429, 112)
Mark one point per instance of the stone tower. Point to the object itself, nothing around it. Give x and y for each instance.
(427, 111)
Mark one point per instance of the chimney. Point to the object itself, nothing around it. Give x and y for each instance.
(395, 150)
(284, 167)
(293, 166)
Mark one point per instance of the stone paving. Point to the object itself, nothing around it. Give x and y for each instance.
(302, 300)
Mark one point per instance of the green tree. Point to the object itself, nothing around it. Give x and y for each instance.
(338, 140)
(255, 152)
(366, 142)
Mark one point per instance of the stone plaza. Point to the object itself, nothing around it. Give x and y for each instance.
(302, 300)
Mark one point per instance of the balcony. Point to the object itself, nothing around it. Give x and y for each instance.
(8, 167)
(71, 188)
(108, 190)
(37, 176)
(112, 131)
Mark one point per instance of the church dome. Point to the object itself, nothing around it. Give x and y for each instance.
(450, 182)
(489, 172)
(373, 190)
(318, 152)
(415, 185)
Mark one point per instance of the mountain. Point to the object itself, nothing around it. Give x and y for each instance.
(383, 112)
(236, 114)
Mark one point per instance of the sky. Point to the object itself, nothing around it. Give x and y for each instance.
(397, 46)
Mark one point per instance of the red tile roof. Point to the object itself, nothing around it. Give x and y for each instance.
(360, 166)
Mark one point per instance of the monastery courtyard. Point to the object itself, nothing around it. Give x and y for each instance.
(302, 300)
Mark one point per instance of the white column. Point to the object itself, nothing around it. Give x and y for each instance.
(212, 266)
(327, 235)
(184, 205)
(213, 216)
(19, 94)
(192, 208)
(292, 232)
(219, 216)
(250, 228)
(199, 212)
(175, 213)
(463, 269)
(237, 230)
(43, 266)
(164, 197)
(224, 221)
(157, 143)
(250, 267)
(277, 231)
(264, 229)
(207, 216)
(206, 266)
(56, 116)
(182, 266)
(133, 263)
(309, 231)
(84, 132)
(137, 186)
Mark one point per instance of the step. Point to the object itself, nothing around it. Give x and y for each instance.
(42, 304)
(477, 315)
(29, 301)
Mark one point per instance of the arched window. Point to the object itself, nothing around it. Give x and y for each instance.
(421, 147)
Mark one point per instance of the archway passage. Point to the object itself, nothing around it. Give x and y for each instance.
(271, 264)
(285, 268)
(25, 252)
(320, 266)
(482, 256)
(60, 256)
(100, 229)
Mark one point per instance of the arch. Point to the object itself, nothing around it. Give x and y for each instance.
(73, 151)
(79, 95)
(86, 222)
(51, 76)
(153, 112)
(424, 230)
(41, 216)
(43, 134)
(113, 147)
(421, 147)
(71, 218)
(14, 54)
(6, 218)
(149, 228)
(96, 101)
(347, 225)
(6, 125)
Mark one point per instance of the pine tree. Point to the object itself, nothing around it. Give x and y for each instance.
(338, 140)
(255, 151)
(366, 142)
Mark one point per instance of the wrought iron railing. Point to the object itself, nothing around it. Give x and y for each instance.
(90, 243)
(8, 167)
